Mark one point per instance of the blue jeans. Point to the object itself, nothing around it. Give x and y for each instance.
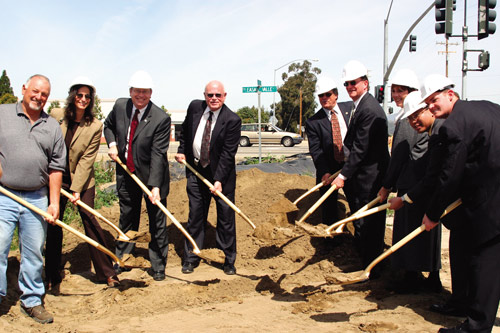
(32, 232)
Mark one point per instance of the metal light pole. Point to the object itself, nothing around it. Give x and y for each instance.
(274, 81)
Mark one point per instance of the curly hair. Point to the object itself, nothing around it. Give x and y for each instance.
(70, 110)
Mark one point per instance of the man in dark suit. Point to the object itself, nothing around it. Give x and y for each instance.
(367, 158)
(470, 171)
(145, 153)
(328, 156)
(209, 141)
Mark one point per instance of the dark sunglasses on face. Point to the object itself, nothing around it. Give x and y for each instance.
(212, 95)
(352, 83)
(327, 94)
(87, 96)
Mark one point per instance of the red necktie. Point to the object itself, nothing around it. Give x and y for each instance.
(338, 152)
(133, 126)
(205, 143)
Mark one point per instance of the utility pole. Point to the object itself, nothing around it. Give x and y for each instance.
(300, 108)
(446, 52)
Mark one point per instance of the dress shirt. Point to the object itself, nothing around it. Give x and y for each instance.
(340, 117)
(201, 127)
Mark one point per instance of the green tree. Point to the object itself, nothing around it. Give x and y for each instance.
(8, 99)
(299, 77)
(53, 105)
(165, 109)
(97, 108)
(6, 91)
(250, 115)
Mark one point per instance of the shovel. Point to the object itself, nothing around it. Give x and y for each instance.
(204, 254)
(134, 236)
(362, 276)
(219, 193)
(68, 228)
(311, 210)
(316, 187)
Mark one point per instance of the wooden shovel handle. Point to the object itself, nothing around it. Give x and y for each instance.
(318, 203)
(409, 237)
(146, 190)
(219, 193)
(63, 225)
(317, 186)
(95, 213)
(359, 214)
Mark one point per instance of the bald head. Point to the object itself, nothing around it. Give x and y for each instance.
(215, 95)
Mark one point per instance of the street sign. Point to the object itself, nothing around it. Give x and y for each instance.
(262, 89)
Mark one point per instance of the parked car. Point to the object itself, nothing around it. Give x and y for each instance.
(269, 134)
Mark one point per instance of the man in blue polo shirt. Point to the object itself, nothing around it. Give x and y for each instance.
(33, 157)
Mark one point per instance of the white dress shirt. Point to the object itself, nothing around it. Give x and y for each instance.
(201, 128)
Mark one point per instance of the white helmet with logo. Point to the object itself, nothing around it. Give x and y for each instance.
(433, 83)
(412, 103)
(407, 78)
(353, 70)
(325, 84)
(142, 80)
(82, 80)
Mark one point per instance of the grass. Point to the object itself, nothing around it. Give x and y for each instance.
(103, 174)
(266, 159)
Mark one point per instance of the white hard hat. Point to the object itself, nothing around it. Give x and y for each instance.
(406, 77)
(353, 70)
(433, 83)
(141, 79)
(413, 102)
(82, 80)
(325, 84)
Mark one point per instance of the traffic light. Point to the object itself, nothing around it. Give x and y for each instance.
(413, 43)
(485, 17)
(484, 60)
(444, 16)
(379, 93)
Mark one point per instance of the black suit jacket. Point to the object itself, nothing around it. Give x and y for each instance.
(149, 145)
(224, 142)
(471, 168)
(320, 139)
(365, 145)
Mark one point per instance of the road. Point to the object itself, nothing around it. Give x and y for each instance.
(274, 150)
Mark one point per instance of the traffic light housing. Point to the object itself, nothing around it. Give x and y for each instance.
(413, 43)
(485, 17)
(444, 16)
(484, 60)
(379, 93)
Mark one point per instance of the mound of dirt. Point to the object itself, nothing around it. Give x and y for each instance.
(279, 285)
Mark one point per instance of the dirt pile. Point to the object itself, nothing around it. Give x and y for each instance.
(279, 285)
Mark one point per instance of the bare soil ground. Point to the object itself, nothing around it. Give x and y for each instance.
(279, 286)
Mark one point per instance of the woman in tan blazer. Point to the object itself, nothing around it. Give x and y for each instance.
(82, 133)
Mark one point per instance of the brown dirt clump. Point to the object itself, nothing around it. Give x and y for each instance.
(279, 285)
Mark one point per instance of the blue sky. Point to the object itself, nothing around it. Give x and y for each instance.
(185, 44)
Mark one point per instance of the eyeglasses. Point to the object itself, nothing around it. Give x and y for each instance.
(414, 116)
(352, 83)
(87, 96)
(212, 95)
(327, 94)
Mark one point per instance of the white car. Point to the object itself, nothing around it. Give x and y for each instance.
(269, 134)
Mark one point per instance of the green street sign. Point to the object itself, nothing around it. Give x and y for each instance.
(262, 89)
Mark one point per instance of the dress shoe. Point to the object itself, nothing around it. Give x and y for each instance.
(463, 327)
(447, 310)
(189, 267)
(158, 275)
(229, 269)
(118, 269)
(38, 313)
(112, 281)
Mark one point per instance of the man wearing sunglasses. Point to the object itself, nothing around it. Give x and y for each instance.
(367, 158)
(326, 130)
(138, 132)
(209, 141)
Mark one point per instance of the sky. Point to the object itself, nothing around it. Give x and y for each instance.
(185, 44)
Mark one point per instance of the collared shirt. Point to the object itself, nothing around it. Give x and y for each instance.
(139, 118)
(201, 128)
(28, 151)
(340, 117)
